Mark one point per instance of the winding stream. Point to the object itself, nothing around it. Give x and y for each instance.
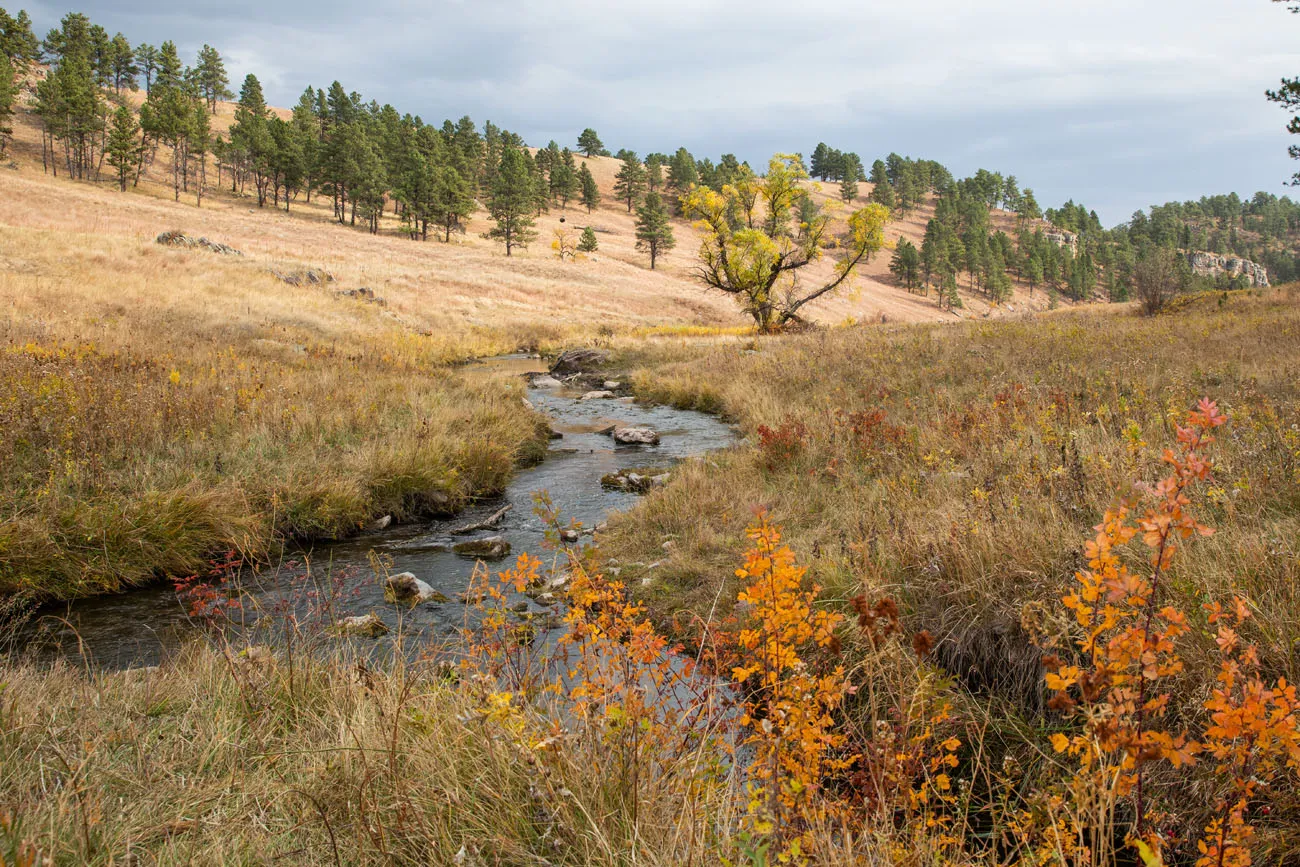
(138, 627)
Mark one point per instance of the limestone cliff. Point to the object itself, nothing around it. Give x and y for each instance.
(1212, 265)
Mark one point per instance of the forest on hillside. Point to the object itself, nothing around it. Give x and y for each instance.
(367, 159)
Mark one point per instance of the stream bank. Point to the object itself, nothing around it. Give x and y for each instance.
(140, 627)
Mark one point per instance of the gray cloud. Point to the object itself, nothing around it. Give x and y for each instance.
(1113, 103)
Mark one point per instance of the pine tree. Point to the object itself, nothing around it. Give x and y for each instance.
(654, 233)
(590, 145)
(1033, 272)
(122, 61)
(71, 108)
(210, 74)
(251, 134)
(166, 118)
(654, 172)
(124, 148)
(849, 184)
(949, 296)
(906, 263)
(368, 184)
(682, 172)
(883, 194)
(451, 199)
(629, 183)
(819, 167)
(170, 71)
(146, 58)
(199, 145)
(513, 201)
(590, 190)
(8, 96)
(565, 182)
(288, 164)
(17, 42)
(588, 243)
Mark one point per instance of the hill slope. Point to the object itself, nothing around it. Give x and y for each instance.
(468, 282)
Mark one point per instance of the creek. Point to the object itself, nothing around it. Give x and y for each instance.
(139, 627)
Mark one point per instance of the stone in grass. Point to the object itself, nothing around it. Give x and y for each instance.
(406, 589)
(491, 548)
(361, 626)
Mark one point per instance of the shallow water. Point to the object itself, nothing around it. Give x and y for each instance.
(138, 627)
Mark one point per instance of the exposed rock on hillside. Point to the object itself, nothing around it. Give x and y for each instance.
(1063, 239)
(1211, 265)
(311, 276)
(180, 239)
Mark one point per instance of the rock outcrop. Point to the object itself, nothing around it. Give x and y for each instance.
(1212, 265)
(309, 277)
(180, 239)
(1063, 239)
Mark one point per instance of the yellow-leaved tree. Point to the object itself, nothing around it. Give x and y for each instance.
(757, 239)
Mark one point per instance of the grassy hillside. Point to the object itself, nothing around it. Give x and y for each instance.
(469, 278)
(957, 472)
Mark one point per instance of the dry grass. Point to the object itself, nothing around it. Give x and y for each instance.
(228, 757)
(1011, 440)
(160, 405)
(468, 283)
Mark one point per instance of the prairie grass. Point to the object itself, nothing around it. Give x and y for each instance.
(219, 757)
(959, 470)
(160, 405)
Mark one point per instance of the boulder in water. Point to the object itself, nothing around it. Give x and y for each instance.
(597, 395)
(546, 382)
(636, 436)
(491, 548)
(406, 589)
(361, 626)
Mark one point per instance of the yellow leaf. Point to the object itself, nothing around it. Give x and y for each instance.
(1149, 857)
(1060, 742)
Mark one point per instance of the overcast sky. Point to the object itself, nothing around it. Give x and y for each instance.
(1117, 104)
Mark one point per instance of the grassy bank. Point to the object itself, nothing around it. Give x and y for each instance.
(162, 405)
(961, 467)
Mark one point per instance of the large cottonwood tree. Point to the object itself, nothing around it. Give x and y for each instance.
(753, 249)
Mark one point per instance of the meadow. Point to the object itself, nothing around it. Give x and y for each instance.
(940, 486)
(913, 619)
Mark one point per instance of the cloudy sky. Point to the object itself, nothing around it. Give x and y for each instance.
(1114, 103)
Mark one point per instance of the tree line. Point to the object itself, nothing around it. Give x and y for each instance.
(368, 158)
